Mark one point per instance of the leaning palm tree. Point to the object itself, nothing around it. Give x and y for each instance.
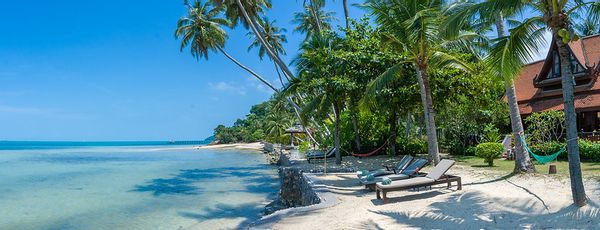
(467, 12)
(274, 36)
(312, 21)
(414, 27)
(201, 30)
(248, 12)
(557, 17)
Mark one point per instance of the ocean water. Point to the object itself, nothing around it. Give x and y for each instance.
(133, 187)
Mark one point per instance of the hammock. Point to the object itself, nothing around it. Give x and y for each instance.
(540, 158)
(372, 153)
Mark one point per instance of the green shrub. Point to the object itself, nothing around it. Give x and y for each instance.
(589, 150)
(471, 151)
(305, 145)
(412, 147)
(489, 151)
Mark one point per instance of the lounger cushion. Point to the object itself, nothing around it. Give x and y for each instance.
(364, 180)
(438, 171)
(406, 183)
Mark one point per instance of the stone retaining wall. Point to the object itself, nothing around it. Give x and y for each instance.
(295, 188)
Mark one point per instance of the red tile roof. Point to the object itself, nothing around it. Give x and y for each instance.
(532, 99)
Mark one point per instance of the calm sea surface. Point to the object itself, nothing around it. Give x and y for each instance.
(132, 187)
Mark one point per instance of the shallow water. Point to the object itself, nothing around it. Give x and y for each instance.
(133, 188)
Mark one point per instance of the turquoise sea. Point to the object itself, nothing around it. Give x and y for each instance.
(131, 186)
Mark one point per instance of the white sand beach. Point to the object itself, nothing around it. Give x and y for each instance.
(237, 146)
(489, 200)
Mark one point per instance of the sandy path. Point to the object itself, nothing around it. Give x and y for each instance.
(488, 201)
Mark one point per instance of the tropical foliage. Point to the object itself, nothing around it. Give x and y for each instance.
(418, 76)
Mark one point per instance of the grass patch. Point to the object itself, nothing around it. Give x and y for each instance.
(589, 169)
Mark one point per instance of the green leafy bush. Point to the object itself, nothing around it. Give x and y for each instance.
(412, 147)
(545, 126)
(489, 151)
(589, 150)
(471, 151)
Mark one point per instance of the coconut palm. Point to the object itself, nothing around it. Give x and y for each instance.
(323, 82)
(465, 12)
(513, 51)
(312, 21)
(247, 13)
(414, 27)
(274, 37)
(201, 30)
(587, 26)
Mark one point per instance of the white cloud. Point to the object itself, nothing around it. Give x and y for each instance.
(250, 85)
(223, 86)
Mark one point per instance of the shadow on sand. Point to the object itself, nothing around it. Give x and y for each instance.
(469, 210)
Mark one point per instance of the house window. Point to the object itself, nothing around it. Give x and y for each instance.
(555, 66)
(575, 66)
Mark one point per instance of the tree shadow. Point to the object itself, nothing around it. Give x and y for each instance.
(171, 186)
(248, 211)
(473, 210)
(484, 166)
(188, 181)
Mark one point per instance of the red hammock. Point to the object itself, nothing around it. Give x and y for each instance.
(373, 153)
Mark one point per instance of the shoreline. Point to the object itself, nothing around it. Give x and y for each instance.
(259, 146)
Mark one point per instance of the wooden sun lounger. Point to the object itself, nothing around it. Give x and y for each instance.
(436, 176)
(410, 171)
(445, 179)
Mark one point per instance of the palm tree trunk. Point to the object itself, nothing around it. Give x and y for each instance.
(432, 142)
(568, 85)
(393, 131)
(347, 16)
(523, 162)
(279, 75)
(248, 69)
(336, 135)
(265, 44)
(294, 105)
(313, 11)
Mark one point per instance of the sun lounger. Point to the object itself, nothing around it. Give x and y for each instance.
(436, 176)
(411, 170)
(321, 155)
(402, 164)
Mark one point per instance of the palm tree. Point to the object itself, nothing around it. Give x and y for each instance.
(311, 21)
(587, 26)
(274, 37)
(323, 81)
(557, 17)
(467, 12)
(346, 14)
(247, 13)
(414, 28)
(201, 30)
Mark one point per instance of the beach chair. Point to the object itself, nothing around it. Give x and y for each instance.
(507, 143)
(436, 176)
(320, 155)
(411, 170)
(387, 170)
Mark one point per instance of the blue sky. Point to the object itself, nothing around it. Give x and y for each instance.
(112, 70)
